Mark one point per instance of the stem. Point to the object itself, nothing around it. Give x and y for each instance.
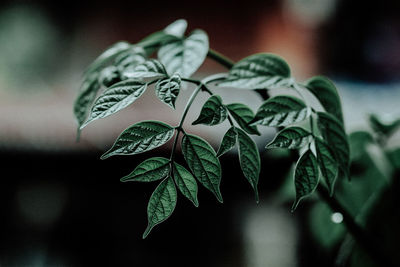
(364, 240)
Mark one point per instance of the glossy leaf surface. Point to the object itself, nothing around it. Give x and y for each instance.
(150, 170)
(213, 112)
(167, 90)
(291, 138)
(186, 183)
(228, 141)
(243, 115)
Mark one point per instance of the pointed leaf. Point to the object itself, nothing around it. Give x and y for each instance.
(203, 162)
(325, 91)
(150, 170)
(167, 90)
(115, 98)
(291, 138)
(86, 97)
(327, 163)
(213, 112)
(228, 141)
(185, 56)
(249, 158)
(243, 115)
(306, 177)
(161, 204)
(176, 28)
(151, 68)
(110, 53)
(140, 137)
(258, 71)
(186, 183)
(281, 111)
(332, 131)
(130, 59)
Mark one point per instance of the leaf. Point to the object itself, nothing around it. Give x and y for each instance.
(150, 170)
(306, 177)
(86, 97)
(332, 131)
(167, 90)
(291, 138)
(258, 71)
(161, 204)
(109, 76)
(327, 163)
(249, 158)
(243, 115)
(228, 141)
(203, 162)
(186, 183)
(110, 53)
(115, 98)
(140, 137)
(213, 112)
(130, 59)
(176, 28)
(185, 56)
(281, 111)
(151, 68)
(383, 128)
(325, 91)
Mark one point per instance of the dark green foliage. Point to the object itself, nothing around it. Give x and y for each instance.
(168, 58)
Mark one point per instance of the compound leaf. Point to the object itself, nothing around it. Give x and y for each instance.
(213, 112)
(291, 138)
(167, 90)
(186, 183)
(185, 56)
(281, 111)
(258, 71)
(249, 158)
(306, 177)
(151, 68)
(228, 141)
(140, 137)
(327, 163)
(161, 204)
(332, 131)
(243, 115)
(325, 91)
(115, 98)
(203, 162)
(150, 170)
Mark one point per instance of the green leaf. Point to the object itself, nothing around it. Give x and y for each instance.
(306, 177)
(332, 131)
(115, 98)
(129, 59)
(327, 163)
(151, 68)
(109, 76)
(140, 137)
(110, 53)
(161, 204)
(185, 56)
(167, 90)
(186, 183)
(86, 97)
(383, 128)
(203, 162)
(258, 71)
(228, 141)
(176, 28)
(291, 138)
(325, 91)
(281, 111)
(243, 115)
(213, 112)
(249, 158)
(150, 170)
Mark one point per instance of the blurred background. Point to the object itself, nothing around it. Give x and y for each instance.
(61, 206)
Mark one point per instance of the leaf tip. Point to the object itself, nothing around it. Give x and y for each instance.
(147, 231)
(295, 204)
(105, 156)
